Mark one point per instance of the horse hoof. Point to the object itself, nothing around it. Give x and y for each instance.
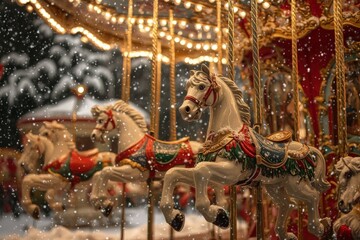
(107, 210)
(222, 219)
(36, 214)
(178, 222)
(328, 230)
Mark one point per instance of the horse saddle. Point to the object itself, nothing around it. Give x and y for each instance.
(88, 153)
(78, 162)
(274, 154)
(166, 152)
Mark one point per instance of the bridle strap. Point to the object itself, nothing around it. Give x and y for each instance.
(109, 120)
(211, 89)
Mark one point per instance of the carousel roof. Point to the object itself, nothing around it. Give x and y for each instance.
(63, 112)
(105, 22)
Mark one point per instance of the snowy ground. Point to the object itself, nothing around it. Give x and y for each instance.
(25, 228)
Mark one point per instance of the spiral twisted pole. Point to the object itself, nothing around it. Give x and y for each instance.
(340, 76)
(231, 71)
(153, 111)
(257, 103)
(219, 35)
(172, 79)
(125, 93)
(295, 80)
(231, 75)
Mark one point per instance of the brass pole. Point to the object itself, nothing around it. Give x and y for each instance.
(158, 91)
(257, 103)
(127, 59)
(340, 77)
(295, 80)
(172, 88)
(153, 112)
(219, 35)
(172, 79)
(125, 96)
(231, 75)
(154, 67)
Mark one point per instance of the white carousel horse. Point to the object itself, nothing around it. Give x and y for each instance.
(56, 174)
(348, 225)
(235, 154)
(141, 157)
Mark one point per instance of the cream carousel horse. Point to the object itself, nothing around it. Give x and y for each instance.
(348, 225)
(235, 154)
(141, 157)
(61, 173)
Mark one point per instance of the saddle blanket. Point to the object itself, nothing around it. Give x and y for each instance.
(155, 155)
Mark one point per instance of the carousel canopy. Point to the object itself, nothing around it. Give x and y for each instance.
(197, 24)
(63, 112)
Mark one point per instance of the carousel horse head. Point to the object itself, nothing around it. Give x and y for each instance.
(202, 92)
(348, 169)
(33, 155)
(118, 115)
(56, 133)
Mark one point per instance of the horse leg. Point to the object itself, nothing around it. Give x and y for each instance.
(50, 199)
(220, 195)
(99, 195)
(172, 177)
(225, 173)
(283, 202)
(42, 182)
(305, 192)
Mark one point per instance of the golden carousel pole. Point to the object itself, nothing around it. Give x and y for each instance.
(295, 80)
(125, 96)
(219, 35)
(257, 103)
(172, 79)
(172, 88)
(340, 77)
(231, 75)
(154, 111)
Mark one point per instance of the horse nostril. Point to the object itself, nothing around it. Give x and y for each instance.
(93, 135)
(341, 203)
(187, 109)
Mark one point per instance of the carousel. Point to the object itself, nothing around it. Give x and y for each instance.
(275, 86)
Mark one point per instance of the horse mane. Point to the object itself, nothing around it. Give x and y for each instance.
(352, 162)
(62, 132)
(243, 108)
(121, 106)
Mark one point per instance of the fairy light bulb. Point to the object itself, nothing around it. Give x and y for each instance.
(266, 5)
(242, 14)
(198, 7)
(187, 5)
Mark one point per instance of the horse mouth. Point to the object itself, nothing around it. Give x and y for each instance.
(194, 116)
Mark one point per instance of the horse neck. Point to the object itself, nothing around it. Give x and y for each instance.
(129, 132)
(224, 113)
(48, 150)
(61, 146)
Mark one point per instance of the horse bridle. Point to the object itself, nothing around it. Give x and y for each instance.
(109, 120)
(212, 88)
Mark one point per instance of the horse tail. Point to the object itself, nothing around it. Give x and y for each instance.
(320, 182)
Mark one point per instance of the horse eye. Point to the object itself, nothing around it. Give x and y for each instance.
(202, 87)
(348, 175)
(100, 121)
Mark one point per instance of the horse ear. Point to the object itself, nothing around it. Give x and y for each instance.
(47, 124)
(95, 110)
(205, 69)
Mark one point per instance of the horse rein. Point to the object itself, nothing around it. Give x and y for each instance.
(202, 103)
(110, 119)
